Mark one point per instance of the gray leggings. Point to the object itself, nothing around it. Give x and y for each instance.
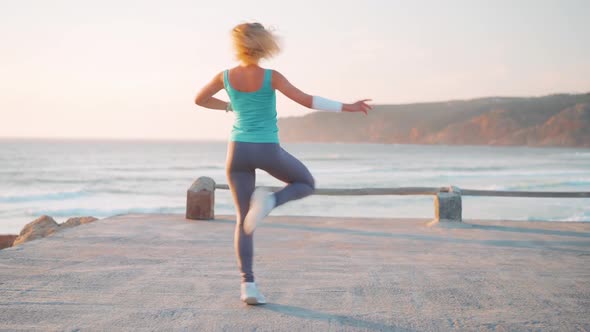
(242, 161)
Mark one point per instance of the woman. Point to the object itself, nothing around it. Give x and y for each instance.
(254, 141)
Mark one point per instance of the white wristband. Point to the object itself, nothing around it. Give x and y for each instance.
(323, 104)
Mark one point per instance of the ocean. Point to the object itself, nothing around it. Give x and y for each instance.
(101, 178)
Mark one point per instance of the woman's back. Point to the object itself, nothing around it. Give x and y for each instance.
(247, 78)
(253, 100)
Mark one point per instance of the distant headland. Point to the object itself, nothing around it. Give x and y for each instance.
(561, 120)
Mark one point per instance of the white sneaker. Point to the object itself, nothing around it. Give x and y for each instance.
(261, 203)
(250, 294)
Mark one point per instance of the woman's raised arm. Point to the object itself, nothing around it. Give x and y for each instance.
(281, 83)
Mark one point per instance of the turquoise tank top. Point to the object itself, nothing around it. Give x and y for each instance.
(255, 112)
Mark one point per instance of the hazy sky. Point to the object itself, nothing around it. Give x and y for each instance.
(130, 69)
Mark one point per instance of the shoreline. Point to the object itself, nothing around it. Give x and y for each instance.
(147, 140)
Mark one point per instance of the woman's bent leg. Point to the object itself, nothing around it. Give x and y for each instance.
(289, 169)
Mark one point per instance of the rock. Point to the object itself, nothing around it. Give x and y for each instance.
(77, 221)
(7, 240)
(45, 226)
(200, 199)
(38, 228)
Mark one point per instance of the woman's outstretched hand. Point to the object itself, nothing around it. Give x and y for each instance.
(359, 106)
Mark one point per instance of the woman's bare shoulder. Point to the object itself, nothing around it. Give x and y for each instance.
(277, 78)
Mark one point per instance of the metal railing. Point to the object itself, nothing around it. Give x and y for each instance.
(434, 191)
(447, 200)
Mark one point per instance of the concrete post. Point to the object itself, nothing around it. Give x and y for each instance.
(200, 199)
(447, 205)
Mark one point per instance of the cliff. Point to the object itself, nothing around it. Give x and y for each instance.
(556, 120)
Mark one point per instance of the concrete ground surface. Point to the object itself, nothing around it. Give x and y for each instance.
(163, 272)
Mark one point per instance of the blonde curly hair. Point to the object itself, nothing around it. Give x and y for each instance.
(253, 42)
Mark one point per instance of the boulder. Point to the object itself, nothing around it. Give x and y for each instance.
(7, 240)
(36, 229)
(77, 221)
(45, 226)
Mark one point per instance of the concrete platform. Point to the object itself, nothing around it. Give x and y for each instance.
(162, 272)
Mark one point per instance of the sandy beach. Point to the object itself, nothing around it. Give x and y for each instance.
(162, 272)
